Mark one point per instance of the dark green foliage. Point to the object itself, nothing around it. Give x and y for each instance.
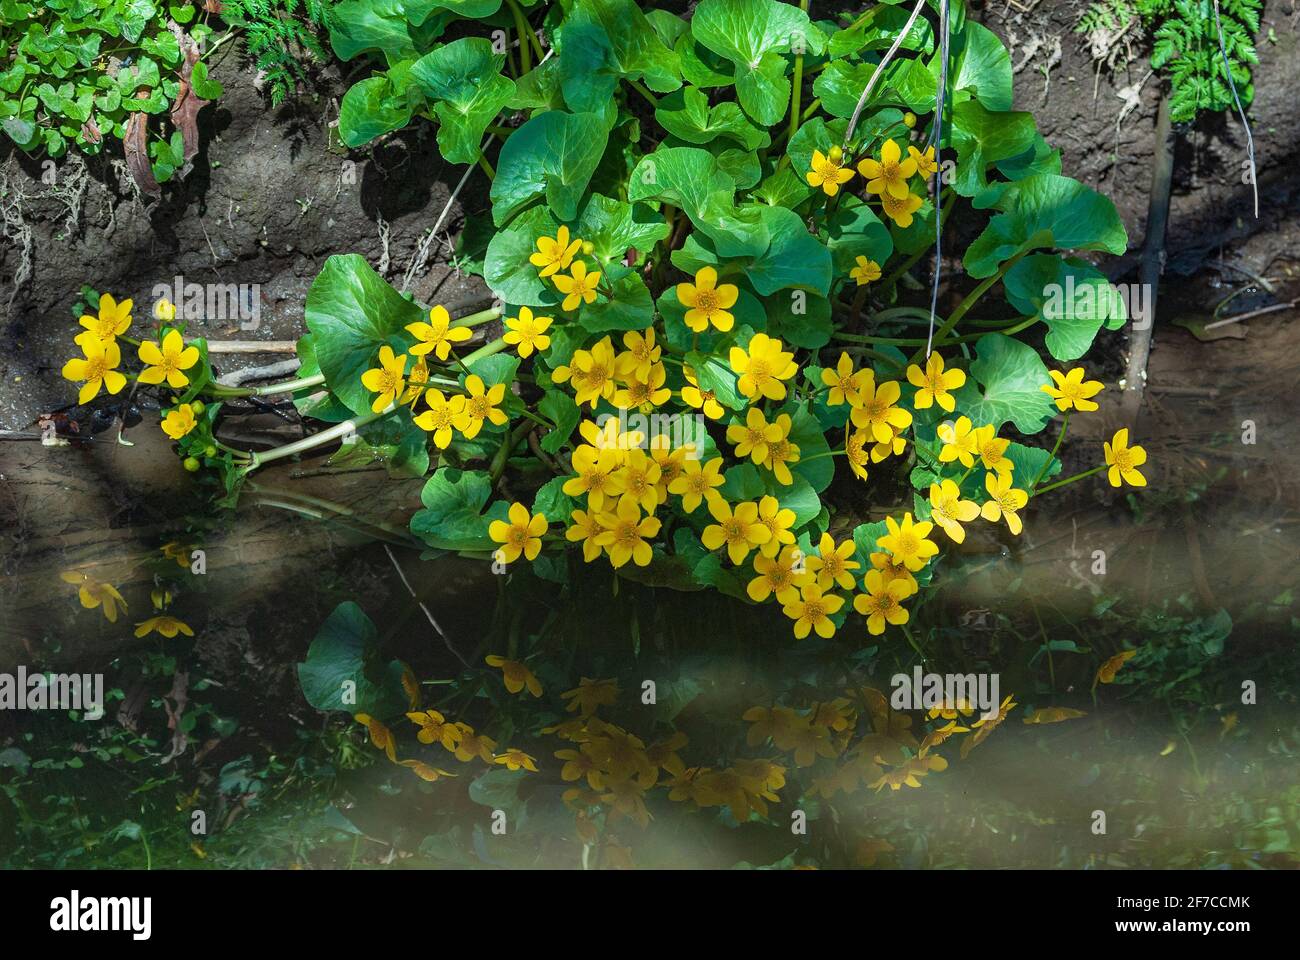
(280, 36)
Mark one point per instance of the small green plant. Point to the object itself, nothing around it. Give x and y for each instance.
(279, 36)
(79, 72)
(1186, 42)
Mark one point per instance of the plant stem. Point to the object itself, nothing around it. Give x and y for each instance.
(650, 97)
(336, 432)
(1065, 425)
(1068, 480)
(496, 346)
(487, 167)
(522, 28)
(796, 89)
(971, 299)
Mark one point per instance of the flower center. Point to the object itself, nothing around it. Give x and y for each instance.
(706, 301)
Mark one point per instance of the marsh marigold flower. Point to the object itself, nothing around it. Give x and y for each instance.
(386, 381)
(380, 735)
(1072, 391)
(698, 483)
(992, 450)
(178, 422)
(781, 452)
(876, 411)
(762, 365)
(845, 382)
(751, 438)
(883, 601)
(1004, 501)
(641, 356)
(901, 211)
(959, 441)
(585, 528)
(866, 271)
(578, 286)
(832, 564)
(95, 593)
(168, 361)
(889, 174)
(165, 625)
(778, 520)
(597, 475)
(906, 542)
(114, 319)
(441, 416)
(707, 302)
(1124, 460)
(481, 404)
(950, 511)
(438, 335)
(516, 675)
(777, 577)
(626, 533)
(515, 759)
(739, 530)
(703, 400)
(527, 333)
(555, 253)
(934, 383)
(95, 369)
(589, 695)
(925, 162)
(829, 173)
(521, 535)
(813, 611)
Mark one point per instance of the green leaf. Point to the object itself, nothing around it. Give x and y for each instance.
(560, 409)
(753, 35)
(794, 258)
(506, 267)
(344, 671)
(686, 114)
(714, 373)
(807, 434)
(372, 108)
(555, 154)
(1011, 375)
(351, 311)
(1072, 297)
(1027, 464)
(452, 518)
(982, 67)
(983, 138)
(856, 231)
(630, 308)
(613, 227)
(603, 41)
(799, 318)
(371, 26)
(1046, 211)
(464, 77)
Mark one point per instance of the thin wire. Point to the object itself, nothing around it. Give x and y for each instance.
(1250, 139)
(940, 97)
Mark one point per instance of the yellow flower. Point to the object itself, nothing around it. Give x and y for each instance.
(934, 384)
(380, 735)
(95, 369)
(441, 417)
(778, 521)
(1072, 390)
(925, 162)
(812, 611)
(480, 405)
(993, 450)
(1106, 672)
(643, 394)
(514, 759)
(781, 451)
(1124, 460)
(522, 535)
(762, 366)
(528, 332)
(845, 382)
(597, 475)
(178, 422)
(555, 253)
(578, 286)
(950, 511)
(888, 175)
(867, 271)
(434, 728)
(167, 362)
(875, 411)
(416, 383)
(625, 533)
(164, 310)
(959, 442)
(907, 543)
(883, 601)
(640, 476)
(589, 694)
(516, 675)
(114, 319)
(704, 400)
(706, 302)
(901, 211)
(855, 449)
(95, 593)
(832, 564)
(592, 372)
(586, 527)
(167, 626)
(386, 380)
(437, 335)
(777, 577)
(740, 530)
(697, 483)
(893, 447)
(641, 356)
(672, 462)
(751, 438)
(827, 173)
(1004, 501)
(470, 745)
(424, 771)
(892, 570)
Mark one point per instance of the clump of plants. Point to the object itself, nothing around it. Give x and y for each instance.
(701, 375)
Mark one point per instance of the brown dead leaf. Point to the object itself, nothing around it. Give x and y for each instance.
(185, 110)
(135, 143)
(90, 130)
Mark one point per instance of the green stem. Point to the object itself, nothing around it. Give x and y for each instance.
(1068, 480)
(487, 167)
(287, 386)
(487, 350)
(1059, 440)
(650, 97)
(336, 432)
(972, 298)
(524, 31)
(796, 90)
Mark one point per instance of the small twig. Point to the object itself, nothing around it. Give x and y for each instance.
(1253, 313)
(1232, 84)
(252, 346)
(265, 372)
(880, 67)
(406, 583)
